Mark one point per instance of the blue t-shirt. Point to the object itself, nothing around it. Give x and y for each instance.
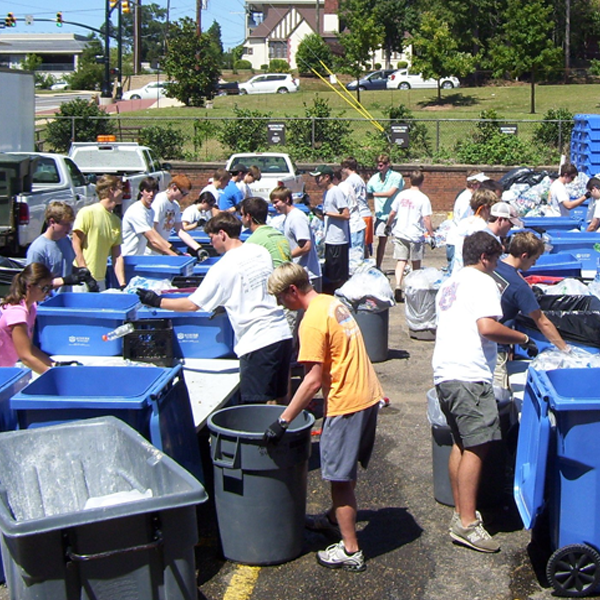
(230, 197)
(58, 255)
(518, 297)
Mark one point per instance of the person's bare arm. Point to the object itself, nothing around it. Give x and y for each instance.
(77, 242)
(391, 218)
(118, 265)
(30, 355)
(302, 248)
(490, 329)
(344, 215)
(186, 238)
(157, 242)
(594, 224)
(546, 326)
(387, 194)
(311, 384)
(178, 305)
(569, 204)
(428, 225)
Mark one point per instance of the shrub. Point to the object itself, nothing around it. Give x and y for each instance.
(165, 141)
(247, 133)
(555, 131)
(498, 149)
(77, 121)
(594, 67)
(264, 67)
(402, 64)
(203, 131)
(243, 65)
(377, 66)
(278, 65)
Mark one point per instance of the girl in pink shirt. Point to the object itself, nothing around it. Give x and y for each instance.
(17, 318)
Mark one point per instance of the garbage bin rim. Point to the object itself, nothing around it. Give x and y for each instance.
(276, 409)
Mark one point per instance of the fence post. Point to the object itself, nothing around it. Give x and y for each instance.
(560, 144)
(437, 135)
(73, 129)
(312, 133)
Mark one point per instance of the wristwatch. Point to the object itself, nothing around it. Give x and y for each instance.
(284, 424)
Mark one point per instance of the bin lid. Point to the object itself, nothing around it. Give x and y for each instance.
(532, 450)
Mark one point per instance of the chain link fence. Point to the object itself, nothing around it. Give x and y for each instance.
(210, 139)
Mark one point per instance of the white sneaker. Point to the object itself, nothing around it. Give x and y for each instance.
(336, 557)
(474, 536)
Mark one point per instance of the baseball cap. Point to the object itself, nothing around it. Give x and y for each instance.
(505, 211)
(238, 168)
(322, 170)
(481, 177)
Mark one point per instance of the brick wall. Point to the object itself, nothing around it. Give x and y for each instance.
(442, 183)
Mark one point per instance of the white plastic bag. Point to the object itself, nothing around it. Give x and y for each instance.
(576, 358)
(420, 289)
(368, 289)
(156, 285)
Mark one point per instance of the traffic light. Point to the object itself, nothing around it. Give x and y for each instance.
(59, 19)
(10, 20)
(125, 6)
(113, 3)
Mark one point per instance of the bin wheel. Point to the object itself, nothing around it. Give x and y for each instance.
(574, 570)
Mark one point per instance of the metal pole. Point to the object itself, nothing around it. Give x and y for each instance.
(106, 87)
(119, 93)
(137, 37)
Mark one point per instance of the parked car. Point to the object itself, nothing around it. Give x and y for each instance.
(59, 86)
(373, 81)
(227, 88)
(270, 83)
(403, 80)
(151, 91)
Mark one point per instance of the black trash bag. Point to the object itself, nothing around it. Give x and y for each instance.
(522, 175)
(579, 326)
(569, 303)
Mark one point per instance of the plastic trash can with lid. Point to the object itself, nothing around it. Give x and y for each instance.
(260, 489)
(558, 471)
(90, 509)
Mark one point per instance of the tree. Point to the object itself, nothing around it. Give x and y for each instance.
(524, 43)
(153, 29)
(436, 54)
(89, 74)
(215, 33)
(77, 121)
(362, 33)
(312, 50)
(232, 56)
(393, 15)
(192, 63)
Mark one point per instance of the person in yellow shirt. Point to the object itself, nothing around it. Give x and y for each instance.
(97, 233)
(335, 360)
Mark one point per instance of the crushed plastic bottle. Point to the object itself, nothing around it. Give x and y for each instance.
(119, 332)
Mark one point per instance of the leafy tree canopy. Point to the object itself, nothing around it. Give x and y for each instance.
(312, 50)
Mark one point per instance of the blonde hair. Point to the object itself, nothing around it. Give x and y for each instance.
(59, 211)
(106, 183)
(287, 274)
(481, 198)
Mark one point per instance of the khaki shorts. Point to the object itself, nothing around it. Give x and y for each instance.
(407, 250)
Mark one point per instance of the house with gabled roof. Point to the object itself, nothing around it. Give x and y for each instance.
(275, 28)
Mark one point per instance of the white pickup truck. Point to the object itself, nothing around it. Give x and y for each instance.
(276, 169)
(129, 160)
(29, 181)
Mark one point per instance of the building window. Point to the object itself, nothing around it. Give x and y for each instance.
(278, 50)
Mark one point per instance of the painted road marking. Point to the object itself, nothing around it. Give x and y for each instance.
(242, 583)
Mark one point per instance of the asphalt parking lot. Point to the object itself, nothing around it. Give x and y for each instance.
(403, 530)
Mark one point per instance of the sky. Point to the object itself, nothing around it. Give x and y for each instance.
(228, 13)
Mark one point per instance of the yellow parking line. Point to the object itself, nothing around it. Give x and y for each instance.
(242, 583)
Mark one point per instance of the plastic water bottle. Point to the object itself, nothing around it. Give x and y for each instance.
(119, 332)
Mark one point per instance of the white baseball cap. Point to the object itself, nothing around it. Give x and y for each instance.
(504, 210)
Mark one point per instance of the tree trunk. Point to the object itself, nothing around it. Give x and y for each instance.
(439, 90)
(532, 111)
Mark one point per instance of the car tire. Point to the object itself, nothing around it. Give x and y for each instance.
(362, 88)
(135, 97)
(447, 85)
(243, 92)
(404, 86)
(282, 90)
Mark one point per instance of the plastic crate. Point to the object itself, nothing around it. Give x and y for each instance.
(561, 264)
(543, 224)
(151, 342)
(158, 267)
(196, 334)
(152, 400)
(54, 546)
(188, 281)
(73, 323)
(12, 380)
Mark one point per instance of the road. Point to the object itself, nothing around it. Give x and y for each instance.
(45, 103)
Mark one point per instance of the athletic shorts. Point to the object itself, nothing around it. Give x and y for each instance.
(369, 230)
(347, 440)
(265, 373)
(471, 411)
(380, 225)
(337, 266)
(407, 250)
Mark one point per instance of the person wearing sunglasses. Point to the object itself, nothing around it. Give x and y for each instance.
(167, 214)
(17, 318)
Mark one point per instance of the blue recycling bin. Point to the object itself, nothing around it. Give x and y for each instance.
(558, 469)
(553, 223)
(561, 264)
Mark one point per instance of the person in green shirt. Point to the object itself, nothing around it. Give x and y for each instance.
(254, 213)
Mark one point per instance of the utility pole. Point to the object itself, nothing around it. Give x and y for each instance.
(106, 87)
(318, 29)
(199, 16)
(137, 37)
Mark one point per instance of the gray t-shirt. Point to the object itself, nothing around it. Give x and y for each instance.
(337, 231)
(297, 227)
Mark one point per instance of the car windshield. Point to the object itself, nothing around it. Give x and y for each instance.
(267, 164)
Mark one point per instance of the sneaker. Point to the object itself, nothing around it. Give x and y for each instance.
(322, 523)
(398, 295)
(474, 536)
(456, 519)
(336, 557)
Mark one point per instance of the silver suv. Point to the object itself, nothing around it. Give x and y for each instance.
(270, 83)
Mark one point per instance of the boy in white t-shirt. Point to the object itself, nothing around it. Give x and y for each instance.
(560, 202)
(468, 308)
(199, 212)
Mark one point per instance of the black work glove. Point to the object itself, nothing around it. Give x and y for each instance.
(432, 243)
(388, 230)
(201, 254)
(176, 250)
(588, 195)
(77, 277)
(148, 297)
(530, 347)
(92, 284)
(66, 363)
(274, 433)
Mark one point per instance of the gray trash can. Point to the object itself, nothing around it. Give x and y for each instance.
(374, 327)
(494, 482)
(90, 509)
(260, 490)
